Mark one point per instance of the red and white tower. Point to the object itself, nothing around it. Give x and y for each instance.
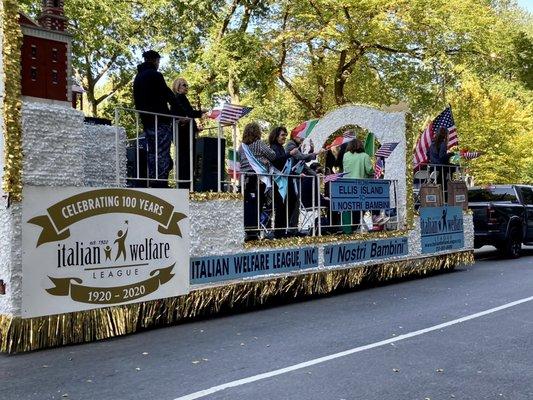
(46, 58)
(52, 16)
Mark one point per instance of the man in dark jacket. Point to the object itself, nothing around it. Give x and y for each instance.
(151, 94)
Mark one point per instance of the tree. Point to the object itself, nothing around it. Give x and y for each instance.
(499, 125)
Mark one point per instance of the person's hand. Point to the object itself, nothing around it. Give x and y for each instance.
(293, 152)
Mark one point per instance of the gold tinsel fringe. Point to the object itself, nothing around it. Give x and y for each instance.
(12, 42)
(19, 335)
(313, 240)
(208, 196)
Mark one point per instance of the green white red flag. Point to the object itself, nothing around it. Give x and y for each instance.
(304, 129)
(233, 163)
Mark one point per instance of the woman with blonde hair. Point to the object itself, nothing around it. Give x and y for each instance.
(182, 107)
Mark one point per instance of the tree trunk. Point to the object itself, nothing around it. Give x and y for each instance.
(233, 90)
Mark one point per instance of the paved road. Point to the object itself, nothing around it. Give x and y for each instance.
(484, 357)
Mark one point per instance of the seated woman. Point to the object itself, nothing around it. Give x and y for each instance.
(358, 165)
(253, 187)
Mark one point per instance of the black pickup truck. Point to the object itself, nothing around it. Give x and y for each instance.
(503, 216)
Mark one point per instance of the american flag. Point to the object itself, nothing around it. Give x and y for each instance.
(445, 120)
(470, 155)
(379, 167)
(386, 149)
(230, 113)
(334, 177)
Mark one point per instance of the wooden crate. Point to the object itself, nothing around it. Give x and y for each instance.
(430, 195)
(458, 194)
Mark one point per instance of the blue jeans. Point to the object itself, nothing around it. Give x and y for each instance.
(164, 161)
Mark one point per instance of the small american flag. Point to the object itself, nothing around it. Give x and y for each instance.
(231, 113)
(334, 177)
(444, 120)
(386, 149)
(470, 155)
(379, 167)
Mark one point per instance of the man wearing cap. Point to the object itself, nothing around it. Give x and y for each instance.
(151, 94)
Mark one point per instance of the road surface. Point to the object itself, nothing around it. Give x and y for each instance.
(467, 334)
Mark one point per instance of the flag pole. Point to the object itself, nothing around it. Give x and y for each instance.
(234, 153)
(219, 183)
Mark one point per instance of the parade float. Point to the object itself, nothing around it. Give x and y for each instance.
(84, 258)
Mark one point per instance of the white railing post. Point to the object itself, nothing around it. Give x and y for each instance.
(137, 146)
(319, 206)
(191, 154)
(117, 161)
(219, 160)
(156, 151)
(234, 151)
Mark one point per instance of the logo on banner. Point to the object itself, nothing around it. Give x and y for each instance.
(441, 228)
(139, 256)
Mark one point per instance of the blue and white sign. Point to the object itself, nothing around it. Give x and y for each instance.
(350, 253)
(245, 265)
(360, 194)
(441, 229)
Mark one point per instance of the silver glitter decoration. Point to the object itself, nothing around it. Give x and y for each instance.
(386, 126)
(11, 258)
(216, 227)
(468, 226)
(52, 142)
(99, 158)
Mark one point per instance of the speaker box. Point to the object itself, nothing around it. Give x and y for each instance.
(430, 195)
(458, 194)
(132, 161)
(205, 164)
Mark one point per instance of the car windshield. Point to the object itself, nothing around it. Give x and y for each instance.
(492, 194)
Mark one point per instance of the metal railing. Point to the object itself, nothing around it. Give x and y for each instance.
(437, 174)
(146, 140)
(306, 211)
(139, 173)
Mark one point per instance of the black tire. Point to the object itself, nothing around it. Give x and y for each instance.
(513, 245)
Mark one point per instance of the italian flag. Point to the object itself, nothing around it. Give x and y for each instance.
(233, 164)
(304, 129)
(340, 140)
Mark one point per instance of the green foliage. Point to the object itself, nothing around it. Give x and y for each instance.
(296, 60)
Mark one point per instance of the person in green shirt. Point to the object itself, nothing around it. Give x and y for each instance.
(356, 162)
(358, 165)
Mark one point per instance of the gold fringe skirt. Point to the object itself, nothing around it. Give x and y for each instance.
(20, 335)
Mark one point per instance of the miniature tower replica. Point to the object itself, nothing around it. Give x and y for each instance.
(45, 55)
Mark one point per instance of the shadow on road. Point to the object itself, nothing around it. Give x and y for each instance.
(492, 253)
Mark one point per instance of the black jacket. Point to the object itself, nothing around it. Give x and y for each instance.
(182, 107)
(151, 93)
(281, 156)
